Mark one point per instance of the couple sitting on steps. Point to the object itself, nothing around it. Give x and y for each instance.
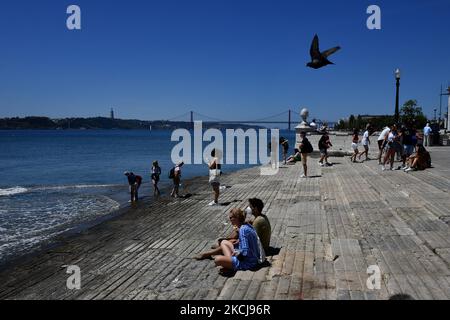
(247, 245)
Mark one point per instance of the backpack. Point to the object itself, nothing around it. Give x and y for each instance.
(172, 173)
(139, 180)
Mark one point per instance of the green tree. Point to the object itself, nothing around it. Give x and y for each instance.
(359, 122)
(411, 114)
(351, 122)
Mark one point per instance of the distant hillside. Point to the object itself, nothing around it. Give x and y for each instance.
(103, 123)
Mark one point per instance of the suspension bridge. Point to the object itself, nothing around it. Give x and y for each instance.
(288, 117)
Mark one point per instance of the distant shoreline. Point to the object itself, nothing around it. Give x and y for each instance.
(101, 123)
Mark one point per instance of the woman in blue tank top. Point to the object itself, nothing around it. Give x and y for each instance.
(245, 254)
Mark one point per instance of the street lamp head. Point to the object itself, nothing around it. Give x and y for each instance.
(397, 74)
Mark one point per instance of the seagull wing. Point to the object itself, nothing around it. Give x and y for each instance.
(314, 51)
(329, 52)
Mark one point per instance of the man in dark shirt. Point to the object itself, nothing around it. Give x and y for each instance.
(324, 144)
(135, 182)
(408, 134)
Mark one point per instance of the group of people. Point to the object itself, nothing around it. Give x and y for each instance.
(305, 148)
(215, 172)
(249, 242)
(392, 141)
(135, 181)
(404, 143)
(365, 141)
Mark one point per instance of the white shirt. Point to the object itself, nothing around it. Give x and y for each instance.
(365, 139)
(391, 137)
(384, 133)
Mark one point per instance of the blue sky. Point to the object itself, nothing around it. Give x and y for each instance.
(228, 59)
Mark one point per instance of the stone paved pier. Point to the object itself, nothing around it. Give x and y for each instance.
(329, 229)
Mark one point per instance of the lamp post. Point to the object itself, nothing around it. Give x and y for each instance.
(448, 109)
(440, 107)
(397, 113)
(435, 114)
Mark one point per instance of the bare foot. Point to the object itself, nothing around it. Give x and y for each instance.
(201, 256)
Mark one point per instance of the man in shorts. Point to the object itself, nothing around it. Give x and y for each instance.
(382, 141)
(324, 145)
(408, 144)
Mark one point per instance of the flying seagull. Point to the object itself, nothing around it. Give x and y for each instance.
(320, 59)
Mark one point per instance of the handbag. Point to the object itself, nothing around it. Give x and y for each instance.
(214, 175)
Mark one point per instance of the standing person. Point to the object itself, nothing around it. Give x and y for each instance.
(392, 146)
(260, 222)
(156, 172)
(214, 175)
(365, 142)
(355, 141)
(426, 135)
(408, 144)
(305, 148)
(285, 144)
(175, 175)
(138, 185)
(382, 140)
(324, 145)
(135, 182)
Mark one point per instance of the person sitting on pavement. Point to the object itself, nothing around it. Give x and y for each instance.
(245, 255)
(296, 157)
(260, 222)
(421, 160)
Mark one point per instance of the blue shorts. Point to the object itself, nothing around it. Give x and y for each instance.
(244, 264)
(408, 150)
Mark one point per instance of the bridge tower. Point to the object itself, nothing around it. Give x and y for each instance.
(289, 121)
